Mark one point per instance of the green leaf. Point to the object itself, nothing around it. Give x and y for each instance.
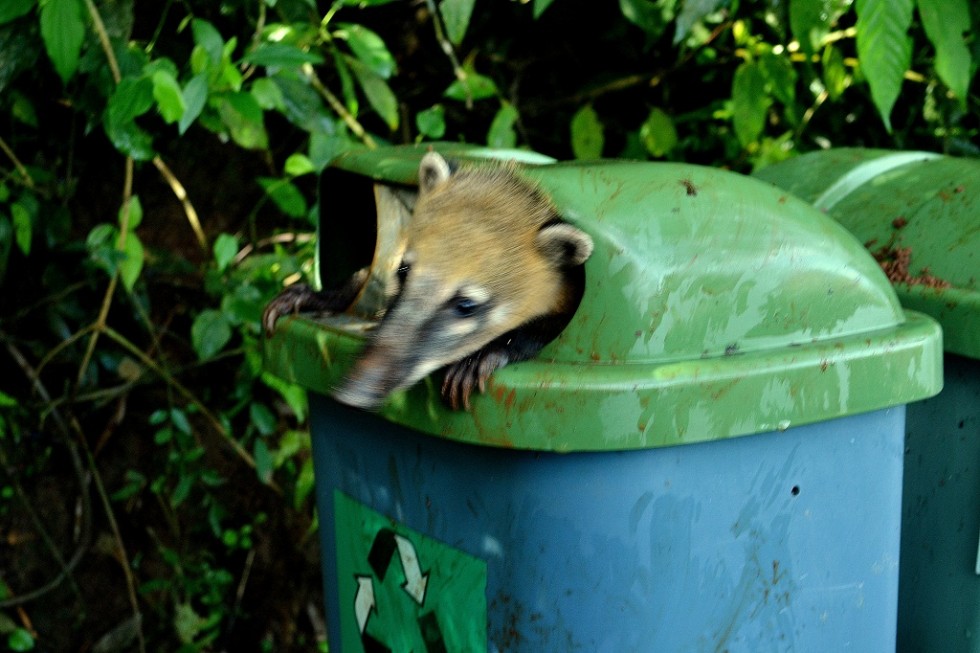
(346, 82)
(263, 418)
(6, 244)
(187, 623)
(22, 109)
(378, 93)
(750, 102)
(456, 18)
(132, 262)
(588, 134)
(946, 23)
(369, 49)
(298, 165)
(23, 227)
(268, 94)
(63, 32)
(835, 76)
(244, 305)
(474, 86)
(294, 395)
(179, 419)
(651, 17)
(431, 122)
(692, 12)
(501, 133)
(242, 115)
(884, 49)
(13, 9)
(169, 98)
(324, 148)
(780, 77)
(20, 640)
(135, 213)
(282, 55)
(209, 38)
(210, 333)
(658, 133)
(811, 20)
(285, 195)
(225, 250)
(195, 96)
(132, 97)
(540, 6)
(263, 461)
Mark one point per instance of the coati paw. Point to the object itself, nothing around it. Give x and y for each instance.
(290, 301)
(462, 377)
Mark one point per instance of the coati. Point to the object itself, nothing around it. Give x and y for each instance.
(490, 274)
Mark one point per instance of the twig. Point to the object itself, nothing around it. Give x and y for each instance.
(338, 107)
(181, 193)
(86, 508)
(188, 395)
(103, 35)
(28, 181)
(447, 48)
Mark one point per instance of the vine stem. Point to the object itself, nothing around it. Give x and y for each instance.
(447, 49)
(338, 107)
(86, 504)
(28, 181)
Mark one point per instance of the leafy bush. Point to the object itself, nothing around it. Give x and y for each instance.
(158, 186)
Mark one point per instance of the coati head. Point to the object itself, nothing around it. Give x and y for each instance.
(490, 274)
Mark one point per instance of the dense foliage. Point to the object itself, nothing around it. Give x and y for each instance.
(157, 187)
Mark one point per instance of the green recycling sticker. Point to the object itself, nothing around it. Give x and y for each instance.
(400, 590)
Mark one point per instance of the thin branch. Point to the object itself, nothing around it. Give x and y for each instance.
(181, 193)
(447, 48)
(103, 35)
(188, 395)
(86, 507)
(338, 107)
(28, 181)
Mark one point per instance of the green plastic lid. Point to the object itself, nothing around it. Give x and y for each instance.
(715, 306)
(919, 213)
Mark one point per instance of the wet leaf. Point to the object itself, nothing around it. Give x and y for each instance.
(210, 333)
(282, 55)
(750, 102)
(63, 32)
(501, 133)
(195, 96)
(225, 249)
(12, 9)
(431, 122)
(658, 133)
(884, 49)
(587, 134)
(456, 18)
(946, 23)
(131, 264)
(168, 96)
(369, 49)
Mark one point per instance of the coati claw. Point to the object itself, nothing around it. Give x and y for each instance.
(290, 301)
(471, 372)
(300, 297)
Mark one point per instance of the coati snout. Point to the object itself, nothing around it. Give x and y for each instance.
(490, 275)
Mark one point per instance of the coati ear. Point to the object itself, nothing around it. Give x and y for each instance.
(564, 244)
(433, 171)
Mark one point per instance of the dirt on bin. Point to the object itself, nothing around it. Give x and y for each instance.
(896, 262)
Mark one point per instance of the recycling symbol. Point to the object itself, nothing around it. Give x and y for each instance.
(388, 546)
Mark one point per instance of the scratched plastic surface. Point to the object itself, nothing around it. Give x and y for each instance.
(930, 204)
(774, 542)
(715, 306)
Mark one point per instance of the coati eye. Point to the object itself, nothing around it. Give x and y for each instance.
(402, 272)
(465, 307)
